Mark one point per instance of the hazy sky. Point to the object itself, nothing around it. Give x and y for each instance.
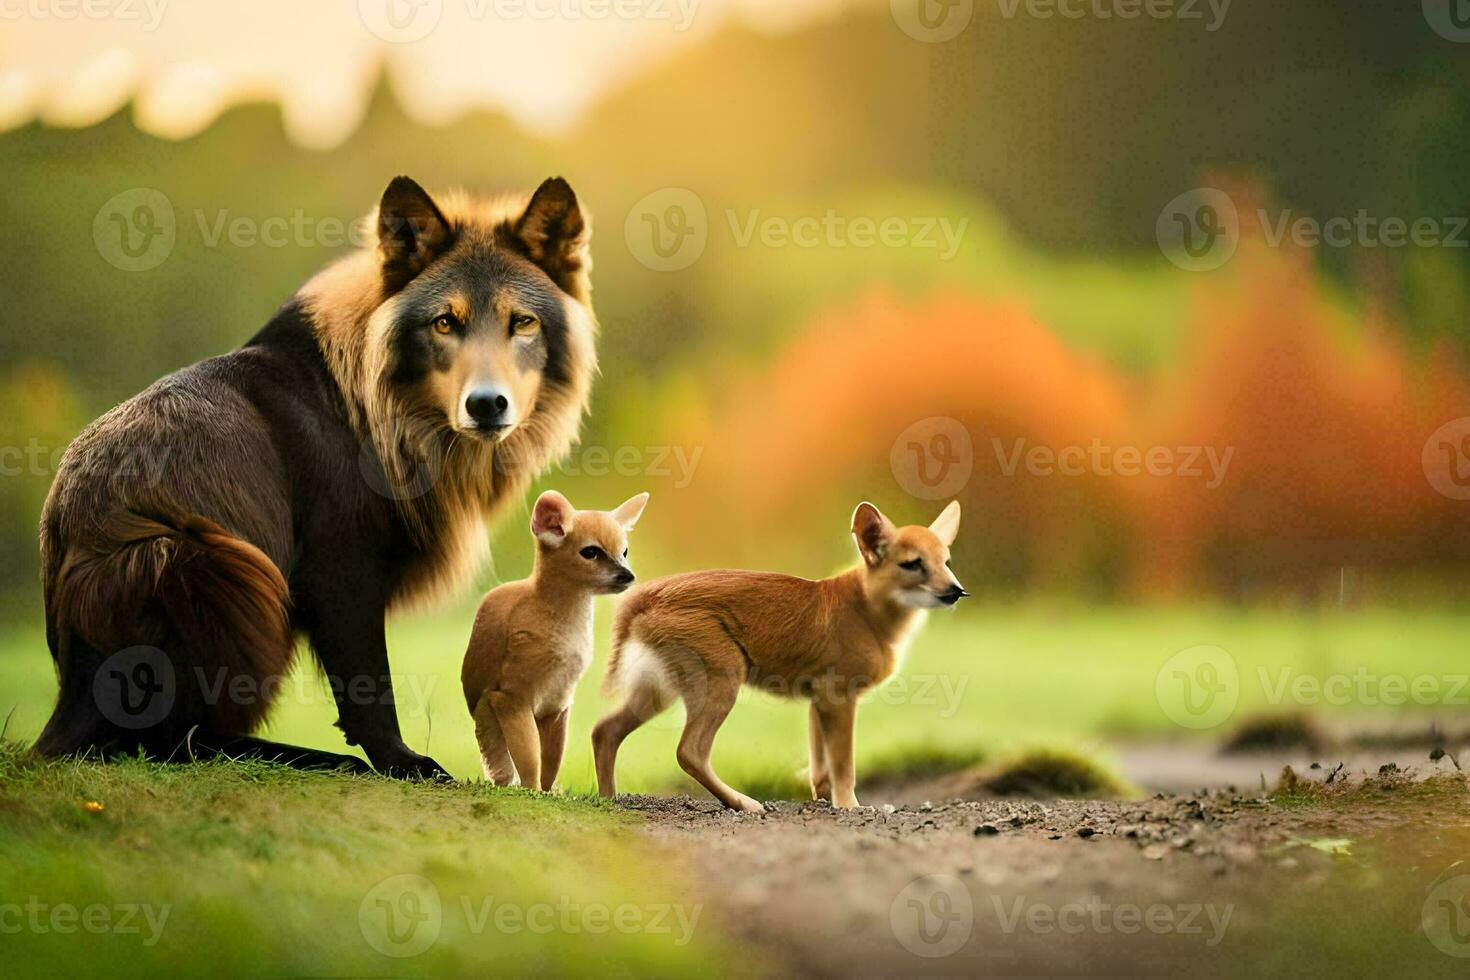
(74, 62)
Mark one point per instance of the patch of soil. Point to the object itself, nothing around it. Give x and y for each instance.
(1068, 886)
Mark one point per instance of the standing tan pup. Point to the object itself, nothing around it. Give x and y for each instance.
(700, 635)
(532, 640)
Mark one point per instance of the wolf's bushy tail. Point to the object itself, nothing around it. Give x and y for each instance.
(206, 606)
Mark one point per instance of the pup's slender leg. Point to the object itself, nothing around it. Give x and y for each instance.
(821, 777)
(521, 737)
(642, 703)
(553, 743)
(705, 715)
(494, 756)
(837, 721)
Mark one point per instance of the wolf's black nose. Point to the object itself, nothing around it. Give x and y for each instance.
(488, 407)
(952, 595)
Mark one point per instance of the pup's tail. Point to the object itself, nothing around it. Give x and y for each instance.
(622, 625)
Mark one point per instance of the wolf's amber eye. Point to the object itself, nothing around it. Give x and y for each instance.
(591, 552)
(523, 324)
(912, 565)
(444, 324)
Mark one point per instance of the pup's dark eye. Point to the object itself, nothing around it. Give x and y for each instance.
(591, 552)
(625, 552)
(445, 324)
(524, 324)
(912, 565)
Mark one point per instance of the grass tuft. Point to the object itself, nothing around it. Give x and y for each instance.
(1264, 733)
(1051, 772)
(1389, 783)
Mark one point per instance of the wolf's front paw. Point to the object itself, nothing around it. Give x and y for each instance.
(402, 762)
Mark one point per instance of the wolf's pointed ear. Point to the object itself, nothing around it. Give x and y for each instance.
(872, 531)
(555, 234)
(630, 510)
(412, 232)
(551, 518)
(946, 526)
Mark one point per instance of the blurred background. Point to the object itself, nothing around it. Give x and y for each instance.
(1174, 297)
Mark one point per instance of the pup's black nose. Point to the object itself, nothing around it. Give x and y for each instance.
(624, 576)
(488, 407)
(952, 595)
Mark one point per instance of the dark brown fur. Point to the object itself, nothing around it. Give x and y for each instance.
(206, 522)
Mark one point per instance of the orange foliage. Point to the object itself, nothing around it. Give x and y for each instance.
(1324, 423)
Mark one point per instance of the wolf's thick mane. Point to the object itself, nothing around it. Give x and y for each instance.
(444, 485)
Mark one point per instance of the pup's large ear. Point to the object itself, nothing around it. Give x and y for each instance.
(947, 525)
(630, 510)
(555, 234)
(412, 232)
(872, 531)
(551, 518)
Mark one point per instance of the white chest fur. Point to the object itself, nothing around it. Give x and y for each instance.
(570, 643)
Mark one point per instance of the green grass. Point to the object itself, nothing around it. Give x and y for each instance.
(976, 684)
(281, 873)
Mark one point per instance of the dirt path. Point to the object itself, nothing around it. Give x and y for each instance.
(1213, 883)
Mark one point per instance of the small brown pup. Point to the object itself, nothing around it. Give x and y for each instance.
(532, 640)
(701, 635)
